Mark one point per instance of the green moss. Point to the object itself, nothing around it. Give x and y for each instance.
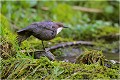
(91, 56)
(44, 68)
(8, 43)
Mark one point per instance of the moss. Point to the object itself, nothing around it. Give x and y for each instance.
(8, 43)
(43, 68)
(91, 56)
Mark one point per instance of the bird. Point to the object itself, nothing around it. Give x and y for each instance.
(44, 31)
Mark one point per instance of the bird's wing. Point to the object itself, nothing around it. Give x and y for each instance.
(27, 29)
(22, 31)
(47, 25)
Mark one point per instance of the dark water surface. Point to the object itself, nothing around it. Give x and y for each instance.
(112, 56)
(70, 55)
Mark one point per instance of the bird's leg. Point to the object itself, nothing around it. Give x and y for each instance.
(43, 45)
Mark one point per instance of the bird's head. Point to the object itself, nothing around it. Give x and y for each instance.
(60, 26)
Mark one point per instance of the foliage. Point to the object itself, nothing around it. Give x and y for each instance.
(92, 31)
(31, 11)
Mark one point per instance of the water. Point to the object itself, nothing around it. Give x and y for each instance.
(70, 55)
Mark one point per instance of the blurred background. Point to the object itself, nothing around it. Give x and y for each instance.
(89, 20)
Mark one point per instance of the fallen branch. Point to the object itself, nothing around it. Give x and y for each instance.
(62, 45)
(84, 9)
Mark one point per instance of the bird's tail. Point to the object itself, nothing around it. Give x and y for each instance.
(22, 35)
(21, 38)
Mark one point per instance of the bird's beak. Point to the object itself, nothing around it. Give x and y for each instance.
(65, 27)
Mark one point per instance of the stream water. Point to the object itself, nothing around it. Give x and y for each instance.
(70, 55)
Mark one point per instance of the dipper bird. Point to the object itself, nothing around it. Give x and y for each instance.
(44, 31)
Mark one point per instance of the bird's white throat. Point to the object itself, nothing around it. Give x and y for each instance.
(59, 29)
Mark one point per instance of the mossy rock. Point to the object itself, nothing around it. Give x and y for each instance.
(90, 57)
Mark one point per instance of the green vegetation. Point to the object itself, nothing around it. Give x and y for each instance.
(101, 28)
(43, 68)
